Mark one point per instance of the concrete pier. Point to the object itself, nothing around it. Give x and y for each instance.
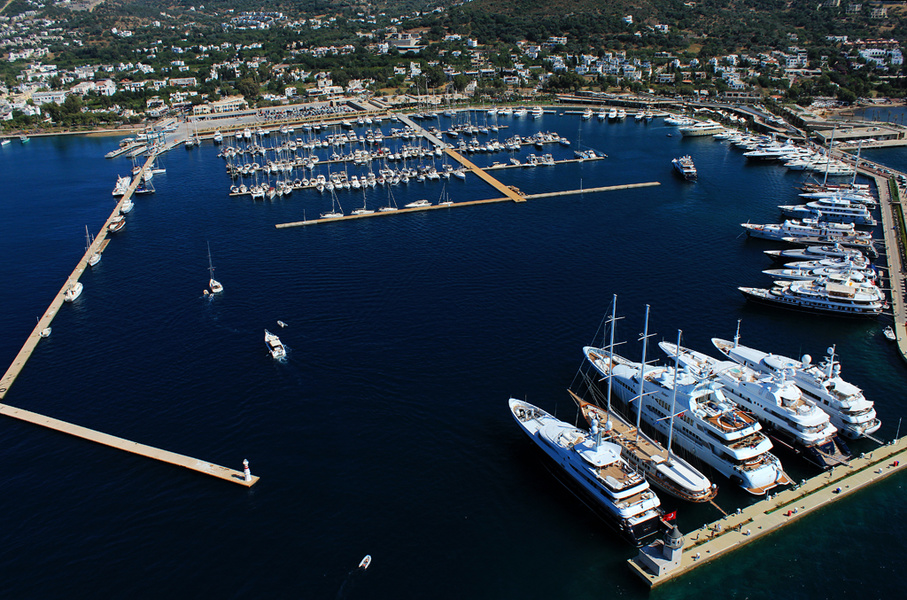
(776, 511)
(595, 190)
(890, 208)
(99, 244)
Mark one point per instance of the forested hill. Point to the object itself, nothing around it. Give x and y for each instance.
(715, 26)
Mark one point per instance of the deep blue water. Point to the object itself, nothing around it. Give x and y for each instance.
(386, 431)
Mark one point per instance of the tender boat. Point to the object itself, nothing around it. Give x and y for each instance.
(73, 291)
(774, 399)
(685, 167)
(275, 347)
(365, 562)
(888, 332)
(594, 470)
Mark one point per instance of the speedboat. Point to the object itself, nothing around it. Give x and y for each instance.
(365, 562)
(594, 470)
(418, 204)
(275, 347)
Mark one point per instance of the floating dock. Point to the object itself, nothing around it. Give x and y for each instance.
(99, 244)
(777, 510)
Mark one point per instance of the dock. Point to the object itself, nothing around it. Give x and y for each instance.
(778, 510)
(595, 190)
(892, 222)
(99, 244)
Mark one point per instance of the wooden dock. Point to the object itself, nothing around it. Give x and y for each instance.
(595, 190)
(778, 510)
(99, 244)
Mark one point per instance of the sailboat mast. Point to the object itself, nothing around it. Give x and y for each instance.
(674, 396)
(642, 373)
(210, 265)
(611, 352)
(856, 165)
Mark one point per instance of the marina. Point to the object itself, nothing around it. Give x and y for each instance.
(463, 287)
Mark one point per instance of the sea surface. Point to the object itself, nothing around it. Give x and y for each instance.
(386, 431)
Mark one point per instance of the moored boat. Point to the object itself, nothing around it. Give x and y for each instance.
(73, 291)
(824, 295)
(594, 470)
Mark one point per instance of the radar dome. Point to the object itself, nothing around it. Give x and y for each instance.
(806, 359)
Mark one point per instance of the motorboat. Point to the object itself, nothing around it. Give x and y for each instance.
(701, 128)
(418, 204)
(275, 347)
(365, 562)
(774, 399)
(122, 185)
(116, 224)
(836, 295)
(685, 167)
(73, 291)
(594, 470)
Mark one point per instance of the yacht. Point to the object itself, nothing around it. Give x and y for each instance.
(275, 347)
(594, 470)
(837, 295)
(817, 253)
(418, 204)
(685, 167)
(214, 285)
(127, 206)
(706, 424)
(701, 128)
(116, 224)
(848, 408)
(775, 401)
(587, 114)
(537, 112)
(831, 209)
(73, 291)
(793, 228)
(122, 185)
(218, 136)
(664, 470)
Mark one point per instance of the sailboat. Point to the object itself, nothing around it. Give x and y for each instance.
(95, 258)
(213, 284)
(73, 291)
(392, 204)
(336, 210)
(364, 210)
(664, 469)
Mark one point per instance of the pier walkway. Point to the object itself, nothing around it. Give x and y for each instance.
(890, 208)
(99, 244)
(509, 191)
(777, 510)
(610, 188)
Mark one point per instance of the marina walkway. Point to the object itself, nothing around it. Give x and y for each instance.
(99, 244)
(610, 188)
(777, 510)
(891, 233)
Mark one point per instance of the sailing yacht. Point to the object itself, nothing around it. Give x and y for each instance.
(774, 400)
(392, 203)
(215, 286)
(364, 210)
(95, 257)
(594, 470)
(336, 211)
(663, 468)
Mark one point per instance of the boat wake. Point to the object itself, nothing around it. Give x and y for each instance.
(349, 584)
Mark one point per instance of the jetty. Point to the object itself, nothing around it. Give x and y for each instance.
(893, 230)
(754, 522)
(100, 242)
(524, 197)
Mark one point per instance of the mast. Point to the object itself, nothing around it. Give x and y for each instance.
(736, 335)
(642, 372)
(856, 165)
(828, 156)
(210, 266)
(611, 352)
(674, 396)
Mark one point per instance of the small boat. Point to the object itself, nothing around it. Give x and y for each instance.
(73, 291)
(365, 562)
(216, 286)
(95, 258)
(275, 347)
(45, 333)
(116, 224)
(23, 138)
(281, 323)
(4, 142)
(888, 332)
(127, 206)
(418, 204)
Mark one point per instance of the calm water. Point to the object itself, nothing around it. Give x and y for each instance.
(387, 430)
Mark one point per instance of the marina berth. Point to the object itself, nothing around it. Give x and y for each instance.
(775, 401)
(595, 472)
(848, 408)
(685, 168)
(826, 295)
(706, 426)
